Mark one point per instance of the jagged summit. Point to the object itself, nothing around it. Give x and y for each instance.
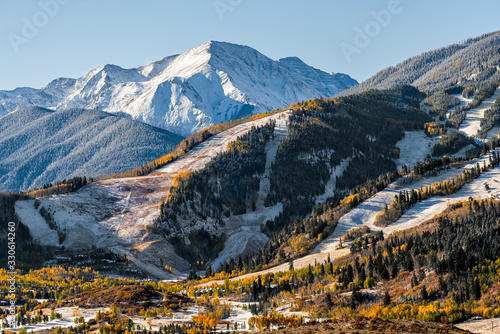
(206, 85)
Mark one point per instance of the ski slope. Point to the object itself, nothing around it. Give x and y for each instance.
(244, 230)
(472, 121)
(114, 213)
(415, 146)
(365, 213)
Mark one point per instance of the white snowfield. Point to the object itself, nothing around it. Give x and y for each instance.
(114, 213)
(414, 147)
(472, 121)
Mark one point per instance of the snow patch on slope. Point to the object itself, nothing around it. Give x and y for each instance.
(39, 229)
(472, 121)
(331, 185)
(415, 146)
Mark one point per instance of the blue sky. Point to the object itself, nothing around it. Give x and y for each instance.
(74, 36)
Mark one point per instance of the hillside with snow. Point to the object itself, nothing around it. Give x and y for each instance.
(121, 214)
(207, 85)
(40, 146)
(414, 147)
(461, 64)
(115, 213)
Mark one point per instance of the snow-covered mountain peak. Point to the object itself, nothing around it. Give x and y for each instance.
(206, 85)
(193, 61)
(155, 68)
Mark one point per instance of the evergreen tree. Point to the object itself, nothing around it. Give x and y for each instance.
(387, 299)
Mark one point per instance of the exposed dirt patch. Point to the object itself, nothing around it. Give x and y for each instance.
(363, 325)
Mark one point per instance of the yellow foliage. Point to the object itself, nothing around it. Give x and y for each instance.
(276, 319)
(238, 146)
(208, 320)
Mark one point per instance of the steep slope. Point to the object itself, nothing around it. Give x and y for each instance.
(119, 213)
(329, 147)
(39, 146)
(461, 64)
(364, 214)
(207, 85)
(472, 122)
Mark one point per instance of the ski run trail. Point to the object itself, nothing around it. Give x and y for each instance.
(114, 213)
(414, 147)
(472, 121)
(365, 213)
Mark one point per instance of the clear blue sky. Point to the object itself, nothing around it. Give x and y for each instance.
(83, 34)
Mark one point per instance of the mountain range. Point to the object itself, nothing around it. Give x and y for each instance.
(210, 84)
(206, 85)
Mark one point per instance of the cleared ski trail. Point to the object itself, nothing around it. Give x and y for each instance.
(114, 213)
(472, 121)
(365, 213)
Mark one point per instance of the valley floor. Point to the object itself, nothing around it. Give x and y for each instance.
(67, 319)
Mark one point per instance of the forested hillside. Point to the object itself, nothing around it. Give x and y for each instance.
(445, 271)
(29, 253)
(459, 65)
(359, 131)
(39, 146)
(228, 183)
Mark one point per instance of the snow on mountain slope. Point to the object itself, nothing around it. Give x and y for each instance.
(365, 213)
(40, 146)
(472, 121)
(114, 213)
(244, 230)
(415, 146)
(464, 63)
(209, 84)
